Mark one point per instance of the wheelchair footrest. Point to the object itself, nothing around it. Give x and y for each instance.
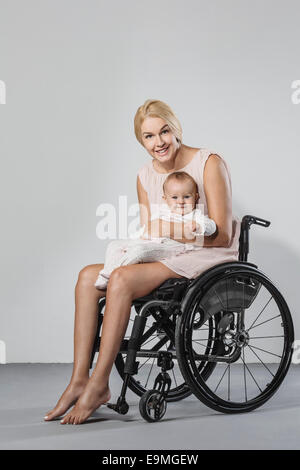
(120, 407)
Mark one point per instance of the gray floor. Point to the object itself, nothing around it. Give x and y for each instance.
(29, 390)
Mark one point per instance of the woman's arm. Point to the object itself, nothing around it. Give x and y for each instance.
(219, 203)
(145, 213)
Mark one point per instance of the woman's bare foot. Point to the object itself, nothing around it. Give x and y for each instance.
(68, 399)
(89, 401)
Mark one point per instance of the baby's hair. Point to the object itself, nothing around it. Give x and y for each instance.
(180, 176)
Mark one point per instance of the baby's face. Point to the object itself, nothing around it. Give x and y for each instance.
(180, 196)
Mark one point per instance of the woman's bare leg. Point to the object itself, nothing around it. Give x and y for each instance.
(126, 283)
(86, 308)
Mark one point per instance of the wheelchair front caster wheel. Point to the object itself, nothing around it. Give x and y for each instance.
(152, 406)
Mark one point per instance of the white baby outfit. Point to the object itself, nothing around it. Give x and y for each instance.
(137, 250)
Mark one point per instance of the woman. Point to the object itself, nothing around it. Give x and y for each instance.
(159, 131)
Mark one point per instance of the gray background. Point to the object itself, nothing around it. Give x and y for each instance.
(76, 72)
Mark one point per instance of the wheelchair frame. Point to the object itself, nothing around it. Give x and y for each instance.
(172, 298)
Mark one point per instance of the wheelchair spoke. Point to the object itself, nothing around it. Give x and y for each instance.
(200, 344)
(174, 377)
(150, 372)
(243, 359)
(273, 354)
(219, 299)
(226, 293)
(221, 379)
(152, 338)
(266, 321)
(245, 380)
(201, 339)
(228, 396)
(261, 312)
(261, 360)
(144, 363)
(263, 337)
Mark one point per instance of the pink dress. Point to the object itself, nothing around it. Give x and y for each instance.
(193, 263)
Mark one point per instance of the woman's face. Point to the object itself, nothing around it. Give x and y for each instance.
(157, 135)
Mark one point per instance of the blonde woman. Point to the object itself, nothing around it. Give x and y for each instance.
(159, 131)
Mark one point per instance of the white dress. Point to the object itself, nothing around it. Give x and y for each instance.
(137, 250)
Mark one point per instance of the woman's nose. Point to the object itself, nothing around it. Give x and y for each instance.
(159, 141)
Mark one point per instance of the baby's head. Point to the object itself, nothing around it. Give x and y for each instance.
(180, 192)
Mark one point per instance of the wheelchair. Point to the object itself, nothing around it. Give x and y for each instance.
(226, 337)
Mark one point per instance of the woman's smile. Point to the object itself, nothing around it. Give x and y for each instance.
(163, 151)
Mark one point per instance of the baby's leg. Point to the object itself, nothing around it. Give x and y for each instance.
(114, 253)
(146, 251)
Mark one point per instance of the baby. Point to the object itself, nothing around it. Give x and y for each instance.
(180, 192)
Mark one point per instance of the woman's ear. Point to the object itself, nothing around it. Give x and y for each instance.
(164, 197)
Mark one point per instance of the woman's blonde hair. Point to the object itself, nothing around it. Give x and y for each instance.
(156, 108)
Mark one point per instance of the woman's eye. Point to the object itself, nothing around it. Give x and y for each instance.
(174, 197)
(187, 197)
(166, 130)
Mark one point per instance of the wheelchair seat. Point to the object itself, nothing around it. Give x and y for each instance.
(172, 288)
(174, 281)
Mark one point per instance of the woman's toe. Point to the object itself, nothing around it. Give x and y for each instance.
(81, 419)
(65, 419)
(48, 416)
(51, 415)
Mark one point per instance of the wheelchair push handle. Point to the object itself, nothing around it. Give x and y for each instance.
(248, 220)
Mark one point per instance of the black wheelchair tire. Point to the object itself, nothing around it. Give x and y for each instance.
(198, 384)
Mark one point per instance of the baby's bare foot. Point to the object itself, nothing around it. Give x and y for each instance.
(89, 401)
(68, 399)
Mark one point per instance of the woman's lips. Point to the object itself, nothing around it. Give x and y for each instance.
(163, 153)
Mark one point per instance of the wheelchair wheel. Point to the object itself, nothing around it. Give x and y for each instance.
(251, 349)
(152, 406)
